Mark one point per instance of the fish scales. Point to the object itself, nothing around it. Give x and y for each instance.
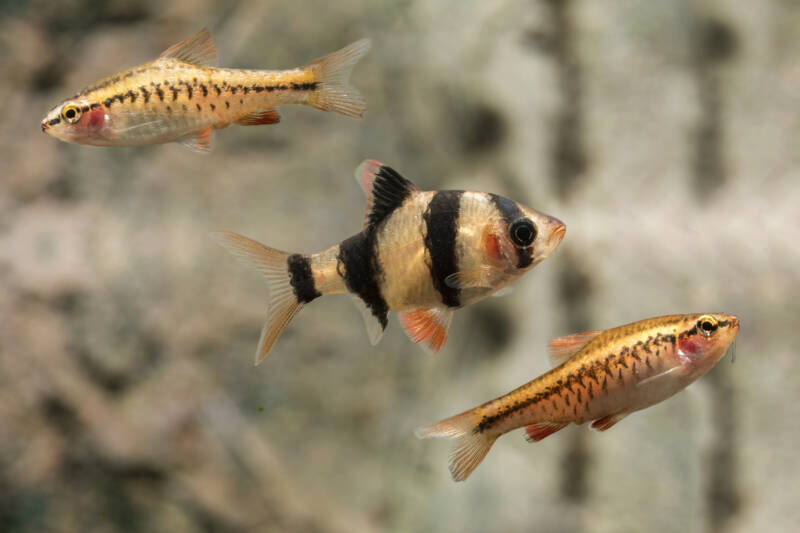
(605, 370)
(174, 93)
(607, 376)
(178, 96)
(421, 254)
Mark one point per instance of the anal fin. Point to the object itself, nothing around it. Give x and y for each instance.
(374, 324)
(607, 422)
(201, 141)
(260, 118)
(538, 431)
(428, 326)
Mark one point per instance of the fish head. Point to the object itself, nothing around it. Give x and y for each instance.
(76, 121)
(704, 340)
(523, 240)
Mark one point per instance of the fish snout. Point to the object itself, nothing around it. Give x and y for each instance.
(45, 126)
(557, 234)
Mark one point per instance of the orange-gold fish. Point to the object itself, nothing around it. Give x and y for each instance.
(603, 376)
(181, 97)
(421, 253)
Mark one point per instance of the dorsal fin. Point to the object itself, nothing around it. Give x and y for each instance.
(199, 49)
(563, 348)
(385, 189)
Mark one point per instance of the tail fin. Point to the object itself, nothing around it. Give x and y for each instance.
(471, 444)
(283, 303)
(333, 74)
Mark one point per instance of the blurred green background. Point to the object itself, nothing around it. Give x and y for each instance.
(664, 134)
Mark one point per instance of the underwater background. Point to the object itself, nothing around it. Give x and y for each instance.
(666, 135)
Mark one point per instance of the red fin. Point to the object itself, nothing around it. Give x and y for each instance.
(260, 118)
(427, 325)
(540, 430)
(200, 141)
(563, 348)
(199, 49)
(607, 422)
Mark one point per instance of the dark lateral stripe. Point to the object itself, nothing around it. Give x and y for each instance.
(362, 273)
(54, 121)
(511, 212)
(563, 385)
(302, 279)
(441, 227)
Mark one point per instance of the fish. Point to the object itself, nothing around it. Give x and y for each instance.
(422, 254)
(602, 377)
(182, 97)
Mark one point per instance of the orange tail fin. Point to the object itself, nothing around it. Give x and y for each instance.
(470, 447)
(283, 304)
(332, 72)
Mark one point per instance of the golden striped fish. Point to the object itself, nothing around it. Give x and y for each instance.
(421, 253)
(603, 376)
(181, 97)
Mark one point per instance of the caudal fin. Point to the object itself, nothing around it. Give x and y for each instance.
(470, 447)
(332, 72)
(282, 302)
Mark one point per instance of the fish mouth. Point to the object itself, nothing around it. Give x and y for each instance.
(557, 235)
(45, 126)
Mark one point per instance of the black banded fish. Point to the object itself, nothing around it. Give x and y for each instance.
(422, 254)
(181, 96)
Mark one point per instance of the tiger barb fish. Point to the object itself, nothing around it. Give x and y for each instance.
(181, 96)
(602, 376)
(421, 253)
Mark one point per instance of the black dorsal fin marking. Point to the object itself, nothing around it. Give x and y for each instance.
(385, 189)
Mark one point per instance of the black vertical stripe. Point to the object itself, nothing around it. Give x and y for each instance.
(302, 279)
(362, 272)
(441, 227)
(510, 211)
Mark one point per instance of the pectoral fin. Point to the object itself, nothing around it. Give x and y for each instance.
(659, 376)
(484, 277)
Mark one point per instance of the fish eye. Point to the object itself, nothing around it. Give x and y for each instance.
(707, 325)
(71, 113)
(522, 232)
